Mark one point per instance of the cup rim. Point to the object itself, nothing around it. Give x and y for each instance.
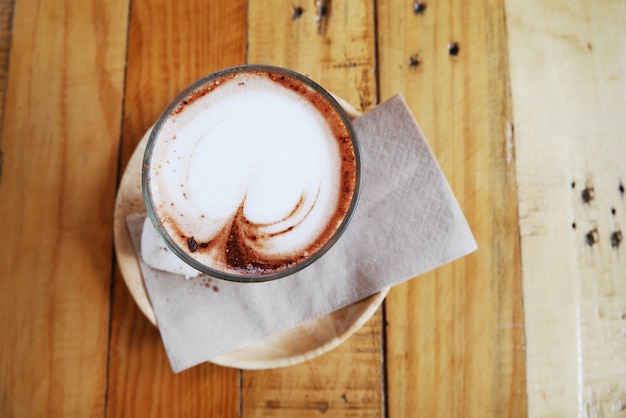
(230, 276)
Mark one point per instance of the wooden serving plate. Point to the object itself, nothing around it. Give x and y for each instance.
(299, 344)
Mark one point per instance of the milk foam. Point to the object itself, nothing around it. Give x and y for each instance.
(252, 161)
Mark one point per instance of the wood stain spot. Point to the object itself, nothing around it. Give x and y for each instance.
(419, 8)
(587, 194)
(621, 188)
(613, 211)
(414, 61)
(321, 406)
(296, 12)
(616, 239)
(323, 9)
(573, 225)
(453, 49)
(321, 16)
(592, 237)
(272, 404)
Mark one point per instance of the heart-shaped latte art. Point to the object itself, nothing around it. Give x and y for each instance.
(251, 177)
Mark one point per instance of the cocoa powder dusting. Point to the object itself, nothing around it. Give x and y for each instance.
(244, 259)
(205, 89)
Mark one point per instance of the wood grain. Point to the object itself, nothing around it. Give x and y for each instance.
(348, 380)
(171, 44)
(342, 60)
(60, 142)
(343, 382)
(455, 342)
(6, 25)
(568, 82)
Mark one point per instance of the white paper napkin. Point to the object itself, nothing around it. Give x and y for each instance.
(407, 222)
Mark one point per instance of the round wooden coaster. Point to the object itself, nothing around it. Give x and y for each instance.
(294, 346)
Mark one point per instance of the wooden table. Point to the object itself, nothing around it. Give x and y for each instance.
(524, 105)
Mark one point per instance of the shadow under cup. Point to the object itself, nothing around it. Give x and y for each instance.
(236, 260)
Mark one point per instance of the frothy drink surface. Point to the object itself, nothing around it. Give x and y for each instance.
(252, 173)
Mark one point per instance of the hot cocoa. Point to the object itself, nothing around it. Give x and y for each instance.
(252, 171)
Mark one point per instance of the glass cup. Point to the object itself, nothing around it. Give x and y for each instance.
(184, 245)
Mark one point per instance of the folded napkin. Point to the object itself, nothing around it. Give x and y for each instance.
(407, 222)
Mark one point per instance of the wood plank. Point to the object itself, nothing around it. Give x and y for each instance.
(171, 44)
(569, 90)
(60, 142)
(348, 380)
(455, 342)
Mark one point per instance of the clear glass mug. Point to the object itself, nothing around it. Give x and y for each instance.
(185, 247)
